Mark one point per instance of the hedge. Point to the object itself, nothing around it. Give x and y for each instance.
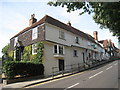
(23, 69)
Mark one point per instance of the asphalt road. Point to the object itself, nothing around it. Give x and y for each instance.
(105, 76)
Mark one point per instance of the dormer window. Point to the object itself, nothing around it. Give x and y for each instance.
(77, 40)
(34, 33)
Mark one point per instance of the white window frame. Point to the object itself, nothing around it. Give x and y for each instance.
(58, 49)
(33, 49)
(35, 33)
(62, 35)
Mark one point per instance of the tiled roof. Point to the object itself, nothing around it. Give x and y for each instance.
(57, 23)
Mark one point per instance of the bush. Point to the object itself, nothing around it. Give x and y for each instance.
(23, 69)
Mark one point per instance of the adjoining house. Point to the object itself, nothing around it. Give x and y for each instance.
(109, 47)
(63, 44)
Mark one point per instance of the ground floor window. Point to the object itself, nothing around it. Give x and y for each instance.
(34, 49)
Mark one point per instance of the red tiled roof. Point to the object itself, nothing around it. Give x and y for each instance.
(57, 23)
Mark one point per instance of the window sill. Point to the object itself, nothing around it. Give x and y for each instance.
(58, 55)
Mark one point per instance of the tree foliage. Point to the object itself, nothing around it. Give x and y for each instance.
(106, 14)
(5, 51)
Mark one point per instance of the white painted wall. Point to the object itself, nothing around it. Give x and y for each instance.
(51, 61)
(52, 34)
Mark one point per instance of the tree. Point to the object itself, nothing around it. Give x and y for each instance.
(5, 52)
(106, 14)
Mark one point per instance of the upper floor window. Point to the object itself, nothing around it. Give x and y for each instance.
(61, 35)
(15, 41)
(75, 53)
(34, 49)
(58, 49)
(34, 33)
(76, 40)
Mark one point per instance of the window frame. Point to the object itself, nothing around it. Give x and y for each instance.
(62, 35)
(77, 40)
(58, 50)
(34, 33)
(75, 53)
(34, 48)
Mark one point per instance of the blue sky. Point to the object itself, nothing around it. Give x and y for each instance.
(15, 14)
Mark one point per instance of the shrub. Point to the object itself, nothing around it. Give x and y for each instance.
(27, 53)
(11, 55)
(23, 69)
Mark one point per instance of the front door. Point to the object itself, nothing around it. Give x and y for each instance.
(61, 64)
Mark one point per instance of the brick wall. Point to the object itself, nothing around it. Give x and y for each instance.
(26, 37)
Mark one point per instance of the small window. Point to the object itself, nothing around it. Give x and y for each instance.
(34, 33)
(76, 40)
(34, 49)
(75, 53)
(61, 35)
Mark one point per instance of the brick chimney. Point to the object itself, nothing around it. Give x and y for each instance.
(95, 34)
(32, 20)
(69, 24)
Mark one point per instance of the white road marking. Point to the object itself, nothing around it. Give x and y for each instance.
(71, 86)
(109, 67)
(95, 74)
(115, 64)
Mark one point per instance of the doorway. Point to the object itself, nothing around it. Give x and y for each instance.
(61, 64)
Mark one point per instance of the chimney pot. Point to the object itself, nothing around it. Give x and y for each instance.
(95, 33)
(69, 24)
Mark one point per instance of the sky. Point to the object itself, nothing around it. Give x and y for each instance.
(15, 15)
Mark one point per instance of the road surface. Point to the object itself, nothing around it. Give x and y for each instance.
(105, 76)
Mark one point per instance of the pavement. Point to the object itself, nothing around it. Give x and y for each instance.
(63, 84)
(32, 82)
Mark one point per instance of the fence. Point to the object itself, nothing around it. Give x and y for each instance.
(74, 68)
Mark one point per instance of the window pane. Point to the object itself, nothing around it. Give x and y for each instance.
(34, 33)
(61, 50)
(55, 48)
(75, 53)
(61, 35)
(34, 49)
(76, 39)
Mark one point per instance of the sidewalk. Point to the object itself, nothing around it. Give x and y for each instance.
(32, 82)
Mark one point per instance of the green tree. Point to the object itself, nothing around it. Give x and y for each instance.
(106, 14)
(5, 51)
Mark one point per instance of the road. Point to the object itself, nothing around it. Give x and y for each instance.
(105, 76)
